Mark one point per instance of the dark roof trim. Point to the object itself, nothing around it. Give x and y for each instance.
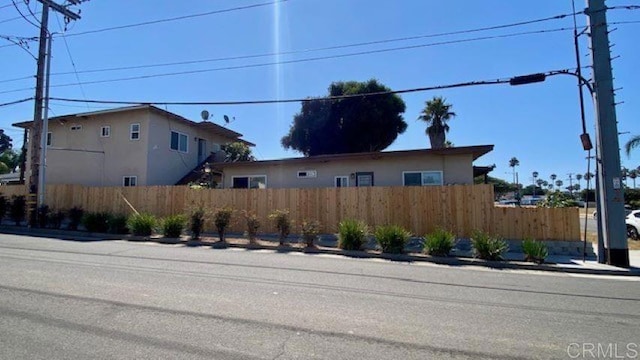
(476, 151)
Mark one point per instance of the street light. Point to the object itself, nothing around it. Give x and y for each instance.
(207, 170)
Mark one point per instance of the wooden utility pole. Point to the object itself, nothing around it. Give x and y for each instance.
(36, 143)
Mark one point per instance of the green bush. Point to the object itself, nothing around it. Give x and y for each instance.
(4, 205)
(534, 251)
(56, 218)
(439, 243)
(76, 214)
(118, 224)
(142, 224)
(196, 224)
(309, 229)
(222, 219)
(283, 223)
(172, 226)
(18, 209)
(352, 234)
(253, 224)
(97, 222)
(43, 216)
(488, 247)
(392, 238)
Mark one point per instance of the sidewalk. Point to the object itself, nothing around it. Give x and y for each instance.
(327, 245)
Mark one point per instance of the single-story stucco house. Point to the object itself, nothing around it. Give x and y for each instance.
(446, 166)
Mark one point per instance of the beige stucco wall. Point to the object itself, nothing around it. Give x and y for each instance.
(457, 169)
(167, 166)
(84, 157)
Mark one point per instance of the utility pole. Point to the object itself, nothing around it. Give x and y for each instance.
(609, 185)
(36, 139)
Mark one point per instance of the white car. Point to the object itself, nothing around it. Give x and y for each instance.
(633, 224)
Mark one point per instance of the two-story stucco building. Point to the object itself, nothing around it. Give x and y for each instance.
(129, 146)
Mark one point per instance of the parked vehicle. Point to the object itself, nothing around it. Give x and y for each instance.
(633, 224)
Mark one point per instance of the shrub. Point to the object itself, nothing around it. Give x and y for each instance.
(97, 222)
(43, 216)
(196, 224)
(18, 209)
(352, 234)
(488, 247)
(4, 205)
(309, 231)
(439, 243)
(56, 218)
(253, 224)
(392, 238)
(75, 217)
(172, 226)
(142, 224)
(222, 219)
(283, 223)
(118, 224)
(534, 251)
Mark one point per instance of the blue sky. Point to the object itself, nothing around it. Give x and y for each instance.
(539, 124)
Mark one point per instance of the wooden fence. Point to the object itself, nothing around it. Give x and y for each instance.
(460, 208)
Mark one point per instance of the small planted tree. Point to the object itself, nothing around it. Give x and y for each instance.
(352, 234)
(196, 223)
(172, 226)
(56, 218)
(96, 222)
(75, 217)
(118, 224)
(309, 230)
(283, 224)
(392, 238)
(488, 247)
(222, 220)
(18, 209)
(439, 242)
(253, 224)
(142, 224)
(534, 251)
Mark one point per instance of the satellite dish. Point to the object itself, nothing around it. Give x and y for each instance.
(205, 115)
(226, 119)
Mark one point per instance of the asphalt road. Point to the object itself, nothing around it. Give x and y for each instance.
(70, 300)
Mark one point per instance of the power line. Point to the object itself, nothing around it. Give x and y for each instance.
(327, 98)
(73, 64)
(177, 18)
(16, 102)
(22, 15)
(140, 77)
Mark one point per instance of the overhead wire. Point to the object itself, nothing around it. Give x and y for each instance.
(73, 64)
(22, 15)
(296, 100)
(16, 102)
(368, 52)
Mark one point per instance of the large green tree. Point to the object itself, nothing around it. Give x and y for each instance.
(5, 142)
(237, 151)
(9, 160)
(436, 114)
(347, 125)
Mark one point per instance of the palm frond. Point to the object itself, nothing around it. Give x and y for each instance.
(633, 143)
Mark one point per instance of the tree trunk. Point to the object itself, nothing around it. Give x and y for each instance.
(437, 139)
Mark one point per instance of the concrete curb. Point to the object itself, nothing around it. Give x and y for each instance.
(451, 261)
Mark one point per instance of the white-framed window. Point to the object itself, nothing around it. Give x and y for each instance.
(179, 141)
(129, 181)
(49, 138)
(105, 131)
(134, 133)
(76, 127)
(421, 178)
(305, 174)
(341, 181)
(249, 182)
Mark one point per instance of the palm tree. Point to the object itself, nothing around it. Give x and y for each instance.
(559, 184)
(436, 114)
(553, 178)
(513, 162)
(623, 174)
(578, 177)
(535, 177)
(633, 174)
(633, 143)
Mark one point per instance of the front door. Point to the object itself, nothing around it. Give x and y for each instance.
(364, 178)
(202, 150)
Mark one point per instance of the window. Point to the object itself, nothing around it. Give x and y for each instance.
(364, 178)
(76, 127)
(249, 182)
(421, 178)
(342, 181)
(135, 132)
(105, 131)
(179, 141)
(130, 181)
(48, 139)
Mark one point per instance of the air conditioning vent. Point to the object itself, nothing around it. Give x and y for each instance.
(307, 174)
(76, 127)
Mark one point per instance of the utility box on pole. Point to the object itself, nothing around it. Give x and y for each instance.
(610, 190)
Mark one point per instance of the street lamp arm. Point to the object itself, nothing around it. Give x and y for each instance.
(583, 81)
